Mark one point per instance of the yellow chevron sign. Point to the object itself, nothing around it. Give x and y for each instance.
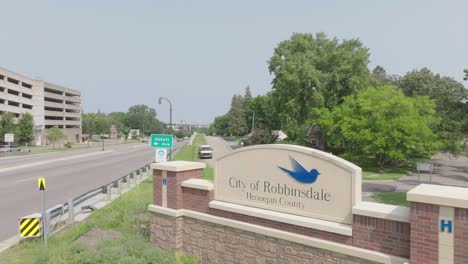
(41, 184)
(30, 227)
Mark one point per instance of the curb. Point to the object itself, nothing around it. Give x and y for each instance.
(9, 242)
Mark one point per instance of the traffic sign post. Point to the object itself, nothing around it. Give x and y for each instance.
(161, 155)
(9, 137)
(162, 141)
(41, 185)
(30, 226)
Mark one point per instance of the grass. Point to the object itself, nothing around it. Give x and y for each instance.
(190, 153)
(391, 173)
(394, 198)
(130, 247)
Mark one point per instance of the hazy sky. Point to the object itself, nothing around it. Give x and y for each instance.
(199, 53)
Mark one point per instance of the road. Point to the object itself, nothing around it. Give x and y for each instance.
(68, 175)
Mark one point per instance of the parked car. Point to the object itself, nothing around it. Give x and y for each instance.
(11, 148)
(144, 140)
(205, 151)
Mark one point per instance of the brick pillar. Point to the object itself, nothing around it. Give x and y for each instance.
(439, 224)
(461, 236)
(168, 178)
(424, 233)
(167, 231)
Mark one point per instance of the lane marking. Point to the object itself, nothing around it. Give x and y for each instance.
(52, 161)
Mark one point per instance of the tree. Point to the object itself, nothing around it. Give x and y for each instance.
(6, 124)
(221, 125)
(25, 128)
(382, 78)
(88, 121)
(451, 104)
(466, 75)
(118, 120)
(247, 97)
(315, 72)
(382, 122)
(54, 135)
(102, 124)
(265, 115)
(143, 118)
(237, 124)
(443, 90)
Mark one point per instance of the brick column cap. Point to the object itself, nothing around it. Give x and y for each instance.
(439, 195)
(383, 211)
(200, 184)
(177, 166)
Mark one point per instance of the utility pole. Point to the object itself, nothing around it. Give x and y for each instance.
(170, 119)
(253, 122)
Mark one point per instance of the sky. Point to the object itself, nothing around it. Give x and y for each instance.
(198, 54)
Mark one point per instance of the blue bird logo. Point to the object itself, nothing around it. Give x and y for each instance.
(300, 174)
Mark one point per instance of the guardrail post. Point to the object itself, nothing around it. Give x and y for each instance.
(125, 179)
(109, 192)
(132, 178)
(119, 186)
(71, 211)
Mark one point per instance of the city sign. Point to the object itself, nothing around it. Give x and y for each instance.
(289, 179)
(161, 141)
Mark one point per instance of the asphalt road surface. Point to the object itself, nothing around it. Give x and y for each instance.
(68, 175)
(220, 148)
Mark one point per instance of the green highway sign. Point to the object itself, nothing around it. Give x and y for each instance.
(161, 141)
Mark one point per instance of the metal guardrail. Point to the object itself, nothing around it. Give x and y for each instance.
(69, 207)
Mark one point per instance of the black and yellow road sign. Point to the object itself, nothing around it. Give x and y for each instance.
(41, 184)
(30, 226)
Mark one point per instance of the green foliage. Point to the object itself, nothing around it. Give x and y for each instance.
(221, 125)
(143, 118)
(265, 115)
(382, 122)
(443, 90)
(382, 78)
(451, 104)
(54, 135)
(466, 75)
(7, 125)
(25, 128)
(88, 121)
(237, 124)
(313, 72)
(394, 198)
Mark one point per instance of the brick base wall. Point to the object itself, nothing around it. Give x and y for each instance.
(461, 236)
(197, 200)
(386, 236)
(214, 244)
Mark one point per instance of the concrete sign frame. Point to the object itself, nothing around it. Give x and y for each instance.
(290, 179)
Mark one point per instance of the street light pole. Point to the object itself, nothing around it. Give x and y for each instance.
(170, 119)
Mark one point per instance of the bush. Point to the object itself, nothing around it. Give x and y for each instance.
(68, 145)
